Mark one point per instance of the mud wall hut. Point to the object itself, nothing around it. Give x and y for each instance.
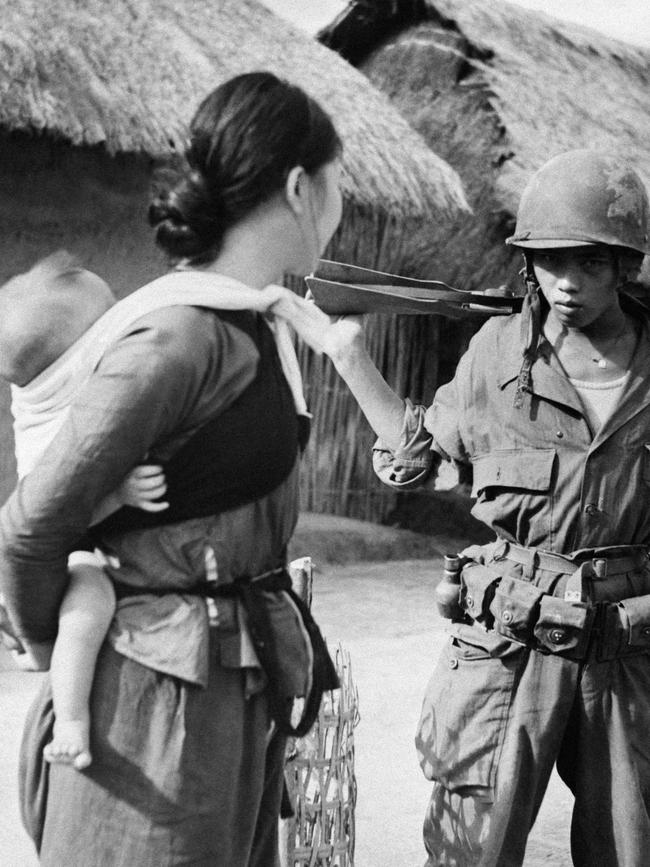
(95, 96)
(496, 90)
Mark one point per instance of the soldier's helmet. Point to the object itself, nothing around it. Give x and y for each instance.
(580, 198)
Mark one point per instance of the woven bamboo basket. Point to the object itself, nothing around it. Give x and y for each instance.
(320, 777)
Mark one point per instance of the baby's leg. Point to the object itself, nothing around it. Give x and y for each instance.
(85, 615)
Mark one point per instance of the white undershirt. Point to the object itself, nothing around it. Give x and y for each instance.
(599, 398)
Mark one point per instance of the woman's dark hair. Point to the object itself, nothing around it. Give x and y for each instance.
(245, 138)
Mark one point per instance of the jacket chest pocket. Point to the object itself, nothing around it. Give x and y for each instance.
(525, 470)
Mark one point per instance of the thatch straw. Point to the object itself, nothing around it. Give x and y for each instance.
(556, 86)
(415, 354)
(497, 90)
(129, 73)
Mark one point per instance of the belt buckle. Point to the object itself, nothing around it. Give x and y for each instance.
(575, 586)
(600, 567)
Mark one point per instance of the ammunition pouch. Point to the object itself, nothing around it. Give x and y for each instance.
(515, 608)
(635, 620)
(477, 587)
(524, 613)
(564, 627)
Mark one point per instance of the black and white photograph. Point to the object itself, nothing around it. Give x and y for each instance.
(324, 433)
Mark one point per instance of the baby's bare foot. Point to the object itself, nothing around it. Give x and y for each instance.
(70, 744)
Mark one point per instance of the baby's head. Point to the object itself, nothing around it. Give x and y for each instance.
(44, 311)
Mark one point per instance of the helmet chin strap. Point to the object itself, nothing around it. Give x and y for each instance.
(531, 322)
(531, 326)
(623, 270)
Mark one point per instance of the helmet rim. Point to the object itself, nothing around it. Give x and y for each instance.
(581, 198)
(552, 243)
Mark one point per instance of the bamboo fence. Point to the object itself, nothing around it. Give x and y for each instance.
(414, 353)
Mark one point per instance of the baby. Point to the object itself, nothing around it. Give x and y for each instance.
(44, 314)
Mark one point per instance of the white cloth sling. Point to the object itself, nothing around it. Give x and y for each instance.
(41, 407)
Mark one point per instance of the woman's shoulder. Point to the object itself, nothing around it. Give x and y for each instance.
(182, 343)
(188, 330)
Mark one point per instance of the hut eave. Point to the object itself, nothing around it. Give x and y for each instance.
(86, 75)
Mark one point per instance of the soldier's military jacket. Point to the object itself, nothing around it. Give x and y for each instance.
(541, 476)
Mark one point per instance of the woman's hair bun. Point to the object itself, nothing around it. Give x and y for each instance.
(245, 137)
(188, 219)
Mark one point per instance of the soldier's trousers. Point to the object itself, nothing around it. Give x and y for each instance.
(497, 716)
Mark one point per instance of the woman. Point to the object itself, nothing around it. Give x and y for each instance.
(189, 712)
(548, 655)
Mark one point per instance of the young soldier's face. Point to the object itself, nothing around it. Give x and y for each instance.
(579, 283)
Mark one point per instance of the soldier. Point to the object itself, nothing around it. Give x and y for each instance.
(548, 656)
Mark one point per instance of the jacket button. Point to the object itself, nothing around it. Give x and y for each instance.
(470, 601)
(559, 434)
(453, 662)
(506, 617)
(645, 632)
(591, 509)
(557, 636)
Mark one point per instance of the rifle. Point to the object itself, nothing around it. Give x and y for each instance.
(340, 289)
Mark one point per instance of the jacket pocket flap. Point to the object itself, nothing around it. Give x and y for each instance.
(636, 617)
(515, 608)
(528, 469)
(477, 590)
(563, 626)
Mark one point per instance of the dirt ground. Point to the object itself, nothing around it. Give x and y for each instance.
(373, 593)
(383, 613)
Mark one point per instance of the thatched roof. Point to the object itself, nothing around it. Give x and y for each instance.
(129, 73)
(497, 90)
